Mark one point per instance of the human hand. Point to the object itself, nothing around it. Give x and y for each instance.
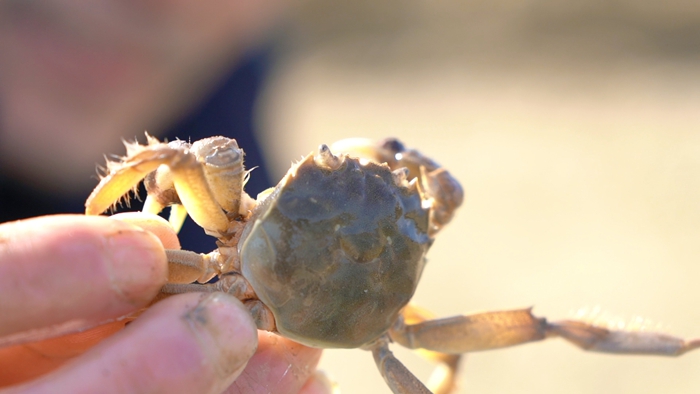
(72, 272)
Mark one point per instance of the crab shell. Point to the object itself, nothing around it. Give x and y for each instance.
(336, 253)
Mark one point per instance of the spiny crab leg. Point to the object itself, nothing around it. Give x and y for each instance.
(492, 330)
(604, 340)
(444, 339)
(468, 333)
(204, 177)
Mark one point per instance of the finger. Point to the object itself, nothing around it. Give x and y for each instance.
(70, 271)
(189, 343)
(155, 224)
(279, 366)
(27, 361)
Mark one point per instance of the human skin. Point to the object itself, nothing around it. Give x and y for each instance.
(88, 270)
(76, 78)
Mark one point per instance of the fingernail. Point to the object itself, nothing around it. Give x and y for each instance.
(138, 266)
(225, 331)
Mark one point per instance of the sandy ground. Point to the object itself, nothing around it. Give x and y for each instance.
(575, 131)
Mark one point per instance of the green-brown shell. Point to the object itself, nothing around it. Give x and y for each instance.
(335, 254)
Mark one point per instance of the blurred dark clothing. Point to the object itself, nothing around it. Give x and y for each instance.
(228, 111)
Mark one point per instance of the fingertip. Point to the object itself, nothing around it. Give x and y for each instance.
(226, 333)
(154, 224)
(75, 269)
(136, 263)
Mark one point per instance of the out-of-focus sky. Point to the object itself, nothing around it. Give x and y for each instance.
(575, 130)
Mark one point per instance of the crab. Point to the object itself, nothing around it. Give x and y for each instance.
(332, 255)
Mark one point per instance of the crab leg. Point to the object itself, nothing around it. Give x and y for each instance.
(188, 178)
(185, 266)
(443, 378)
(116, 184)
(606, 340)
(493, 330)
(462, 334)
(231, 283)
(396, 375)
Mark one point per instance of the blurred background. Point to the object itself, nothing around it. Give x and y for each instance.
(573, 126)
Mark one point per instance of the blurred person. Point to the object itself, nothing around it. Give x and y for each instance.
(75, 78)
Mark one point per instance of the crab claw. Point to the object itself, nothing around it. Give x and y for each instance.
(185, 179)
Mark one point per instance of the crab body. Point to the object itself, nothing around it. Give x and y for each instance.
(336, 253)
